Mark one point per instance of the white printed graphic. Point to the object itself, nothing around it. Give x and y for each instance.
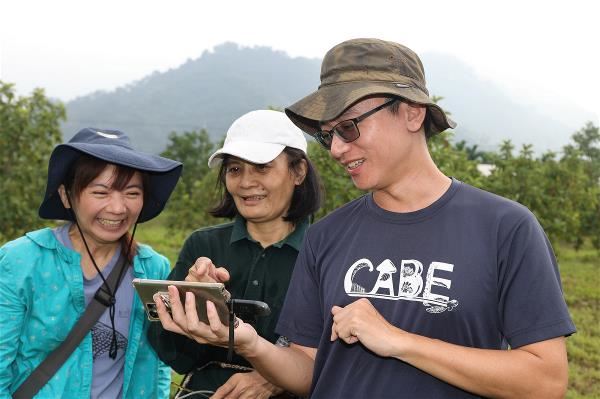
(409, 287)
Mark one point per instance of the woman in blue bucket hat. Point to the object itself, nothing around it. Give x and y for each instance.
(102, 188)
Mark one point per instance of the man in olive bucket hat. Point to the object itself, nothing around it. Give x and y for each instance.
(416, 289)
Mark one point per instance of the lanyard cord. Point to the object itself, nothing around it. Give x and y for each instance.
(232, 326)
(112, 353)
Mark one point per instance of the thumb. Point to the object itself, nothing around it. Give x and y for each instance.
(225, 389)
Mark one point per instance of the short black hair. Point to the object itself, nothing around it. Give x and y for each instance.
(395, 107)
(306, 198)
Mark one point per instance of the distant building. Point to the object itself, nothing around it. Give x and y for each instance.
(485, 168)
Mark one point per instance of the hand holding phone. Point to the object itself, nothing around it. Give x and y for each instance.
(214, 292)
(247, 310)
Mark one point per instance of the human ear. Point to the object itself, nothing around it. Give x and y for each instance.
(300, 172)
(62, 192)
(415, 115)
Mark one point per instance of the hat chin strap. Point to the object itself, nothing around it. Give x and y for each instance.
(105, 286)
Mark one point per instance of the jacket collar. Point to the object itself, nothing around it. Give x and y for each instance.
(45, 238)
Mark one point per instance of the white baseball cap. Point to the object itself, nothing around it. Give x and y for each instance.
(259, 137)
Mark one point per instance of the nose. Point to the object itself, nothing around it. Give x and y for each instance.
(117, 203)
(247, 178)
(338, 147)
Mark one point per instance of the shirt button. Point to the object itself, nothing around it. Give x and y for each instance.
(255, 282)
(263, 255)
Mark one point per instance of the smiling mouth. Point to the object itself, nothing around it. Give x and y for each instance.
(110, 223)
(354, 164)
(254, 198)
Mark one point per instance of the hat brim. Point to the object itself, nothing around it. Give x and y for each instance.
(163, 175)
(329, 102)
(251, 151)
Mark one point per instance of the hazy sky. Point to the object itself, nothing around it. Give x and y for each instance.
(548, 51)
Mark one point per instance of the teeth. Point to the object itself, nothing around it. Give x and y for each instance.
(255, 197)
(355, 164)
(107, 222)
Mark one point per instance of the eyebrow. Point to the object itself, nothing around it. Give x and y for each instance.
(134, 186)
(235, 160)
(130, 186)
(99, 185)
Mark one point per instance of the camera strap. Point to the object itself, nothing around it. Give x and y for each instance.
(102, 300)
(232, 322)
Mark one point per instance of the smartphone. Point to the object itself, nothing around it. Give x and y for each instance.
(246, 309)
(215, 292)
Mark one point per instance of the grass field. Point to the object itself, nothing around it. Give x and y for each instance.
(580, 272)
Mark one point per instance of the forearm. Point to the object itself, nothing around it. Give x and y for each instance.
(287, 367)
(533, 371)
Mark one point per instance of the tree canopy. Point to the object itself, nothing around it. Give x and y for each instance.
(29, 130)
(563, 192)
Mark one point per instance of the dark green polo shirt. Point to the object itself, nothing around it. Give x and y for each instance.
(256, 273)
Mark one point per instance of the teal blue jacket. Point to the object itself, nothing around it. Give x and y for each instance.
(41, 298)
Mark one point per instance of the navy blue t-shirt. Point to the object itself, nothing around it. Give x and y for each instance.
(473, 269)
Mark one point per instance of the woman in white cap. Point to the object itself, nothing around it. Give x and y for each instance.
(270, 189)
(56, 281)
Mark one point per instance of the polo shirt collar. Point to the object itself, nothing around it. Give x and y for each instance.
(294, 240)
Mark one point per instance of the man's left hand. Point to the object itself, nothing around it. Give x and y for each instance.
(246, 386)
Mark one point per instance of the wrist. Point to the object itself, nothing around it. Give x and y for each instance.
(250, 348)
(402, 342)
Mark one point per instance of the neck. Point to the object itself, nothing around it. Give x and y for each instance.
(102, 253)
(419, 185)
(270, 232)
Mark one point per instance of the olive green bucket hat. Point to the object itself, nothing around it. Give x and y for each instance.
(358, 68)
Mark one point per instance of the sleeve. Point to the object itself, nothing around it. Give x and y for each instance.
(12, 317)
(164, 380)
(531, 304)
(165, 268)
(163, 387)
(301, 320)
(178, 351)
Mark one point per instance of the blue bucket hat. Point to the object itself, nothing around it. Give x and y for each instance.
(113, 147)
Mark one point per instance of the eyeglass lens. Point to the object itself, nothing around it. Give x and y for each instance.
(346, 130)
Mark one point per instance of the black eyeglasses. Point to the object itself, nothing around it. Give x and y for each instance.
(347, 130)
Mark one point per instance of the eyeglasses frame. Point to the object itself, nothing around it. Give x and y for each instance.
(355, 121)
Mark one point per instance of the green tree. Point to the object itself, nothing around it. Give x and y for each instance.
(337, 185)
(556, 191)
(586, 149)
(29, 130)
(192, 148)
(587, 142)
(473, 153)
(189, 208)
(453, 160)
(566, 198)
(195, 192)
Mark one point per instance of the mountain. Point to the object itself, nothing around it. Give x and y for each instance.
(487, 115)
(211, 91)
(207, 93)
